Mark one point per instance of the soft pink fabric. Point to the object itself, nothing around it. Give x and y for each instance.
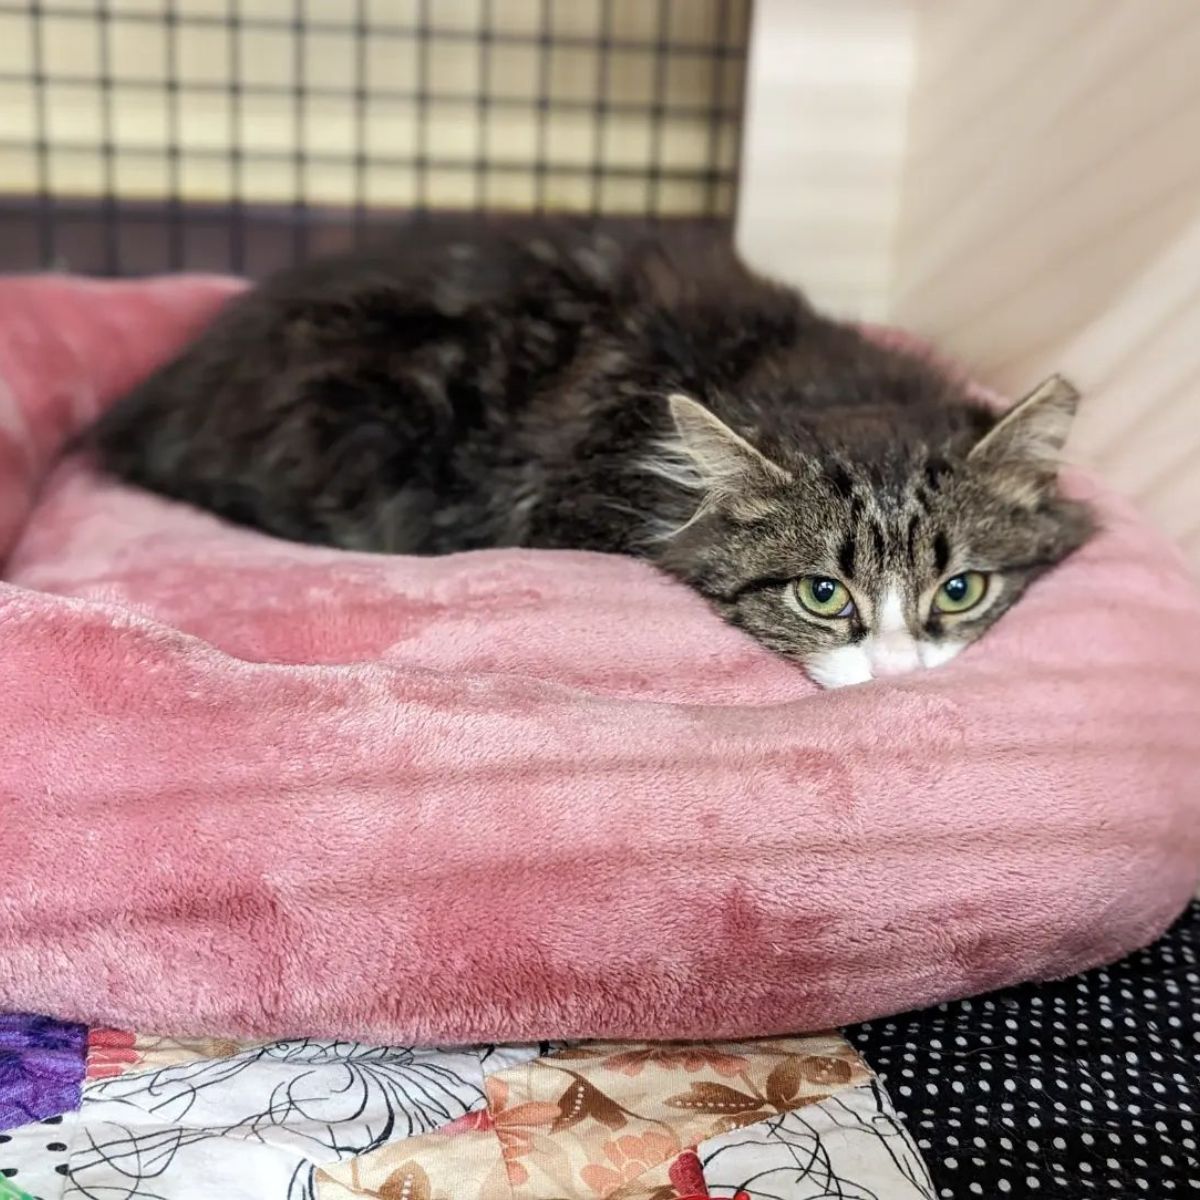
(257, 788)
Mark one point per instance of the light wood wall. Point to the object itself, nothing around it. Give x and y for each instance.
(1050, 220)
(823, 146)
(1044, 215)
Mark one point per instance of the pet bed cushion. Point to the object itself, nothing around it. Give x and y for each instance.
(257, 789)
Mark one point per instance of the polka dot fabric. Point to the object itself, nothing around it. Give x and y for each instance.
(1085, 1088)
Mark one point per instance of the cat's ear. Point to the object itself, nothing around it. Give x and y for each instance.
(1025, 445)
(723, 461)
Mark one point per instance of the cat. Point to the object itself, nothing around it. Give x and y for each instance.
(852, 506)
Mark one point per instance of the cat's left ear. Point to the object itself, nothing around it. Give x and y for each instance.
(1026, 443)
(722, 459)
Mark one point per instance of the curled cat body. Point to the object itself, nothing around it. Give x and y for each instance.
(850, 505)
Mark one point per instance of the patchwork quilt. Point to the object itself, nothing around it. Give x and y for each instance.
(103, 1113)
(1088, 1087)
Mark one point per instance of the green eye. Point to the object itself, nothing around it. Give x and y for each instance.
(961, 592)
(824, 597)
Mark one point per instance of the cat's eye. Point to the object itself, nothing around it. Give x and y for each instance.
(823, 596)
(961, 592)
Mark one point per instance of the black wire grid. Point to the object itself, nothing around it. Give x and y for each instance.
(109, 228)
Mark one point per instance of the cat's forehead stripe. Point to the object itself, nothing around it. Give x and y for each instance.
(887, 528)
(846, 554)
(880, 539)
(941, 551)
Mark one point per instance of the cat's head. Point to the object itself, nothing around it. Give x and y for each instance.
(879, 549)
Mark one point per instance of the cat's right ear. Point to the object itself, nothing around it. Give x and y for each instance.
(1023, 448)
(1036, 427)
(723, 461)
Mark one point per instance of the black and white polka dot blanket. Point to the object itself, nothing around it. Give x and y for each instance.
(1089, 1087)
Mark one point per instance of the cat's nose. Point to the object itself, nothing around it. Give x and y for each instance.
(894, 658)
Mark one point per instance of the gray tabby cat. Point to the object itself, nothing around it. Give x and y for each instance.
(849, 505)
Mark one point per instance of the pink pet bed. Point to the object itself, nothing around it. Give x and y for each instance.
(256, 788)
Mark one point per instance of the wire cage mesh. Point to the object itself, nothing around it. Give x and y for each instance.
(139, 136)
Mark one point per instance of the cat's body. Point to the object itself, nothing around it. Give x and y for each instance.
(572, 390)
(465, 392)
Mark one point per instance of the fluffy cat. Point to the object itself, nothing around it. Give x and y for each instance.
(847, 504)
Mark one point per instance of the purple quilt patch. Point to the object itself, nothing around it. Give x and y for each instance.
(41, 1068)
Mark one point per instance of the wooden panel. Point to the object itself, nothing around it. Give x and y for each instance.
(823, 145)
(1050, 219)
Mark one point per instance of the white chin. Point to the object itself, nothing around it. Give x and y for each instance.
(863, 661)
